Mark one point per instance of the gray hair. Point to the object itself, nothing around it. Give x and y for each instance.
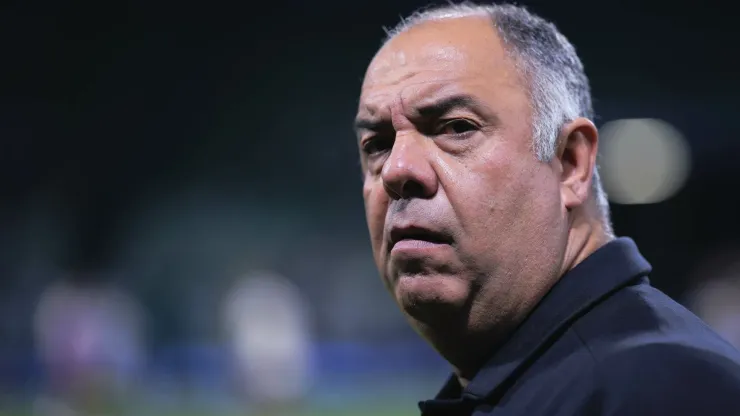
(558, 87)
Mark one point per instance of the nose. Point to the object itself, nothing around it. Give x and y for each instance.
(407, 172)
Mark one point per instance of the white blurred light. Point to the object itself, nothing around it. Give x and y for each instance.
(716, 302)
(268, 321)
(644, 161)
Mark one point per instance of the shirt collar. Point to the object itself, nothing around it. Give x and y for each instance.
(606, 270)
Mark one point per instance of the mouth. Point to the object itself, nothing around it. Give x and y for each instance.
(416, 236)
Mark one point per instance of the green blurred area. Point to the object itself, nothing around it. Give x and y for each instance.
(360, 409)
(312, 412)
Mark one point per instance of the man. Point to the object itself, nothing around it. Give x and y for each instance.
(491, 230)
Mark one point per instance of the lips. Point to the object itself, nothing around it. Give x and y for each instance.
(417, 233)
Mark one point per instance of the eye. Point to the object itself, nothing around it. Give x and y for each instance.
(457, 127)
(376, 144)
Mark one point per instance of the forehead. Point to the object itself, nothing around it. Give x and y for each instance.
(434, 57)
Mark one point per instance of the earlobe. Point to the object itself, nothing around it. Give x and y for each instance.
(578, 146)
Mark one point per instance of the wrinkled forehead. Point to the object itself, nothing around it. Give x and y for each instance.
(395, 61)
(408, 75)
(435, 58)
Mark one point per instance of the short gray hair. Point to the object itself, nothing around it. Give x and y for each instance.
(558, 87)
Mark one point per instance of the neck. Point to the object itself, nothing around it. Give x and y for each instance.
(585, 235)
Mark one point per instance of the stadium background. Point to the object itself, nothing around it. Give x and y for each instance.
(156, 157)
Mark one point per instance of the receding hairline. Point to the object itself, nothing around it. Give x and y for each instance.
(418, 20)
(441, 14)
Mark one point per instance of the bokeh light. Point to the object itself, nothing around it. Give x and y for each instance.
(643, 161)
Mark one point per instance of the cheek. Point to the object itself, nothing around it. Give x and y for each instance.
(483, 190)
(376, 206)
(504, 199)
(525, 210)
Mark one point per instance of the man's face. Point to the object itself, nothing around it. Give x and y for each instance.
(465, 222)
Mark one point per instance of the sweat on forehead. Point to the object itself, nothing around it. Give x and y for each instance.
(438, 42)
(450, 48)
(407, 97)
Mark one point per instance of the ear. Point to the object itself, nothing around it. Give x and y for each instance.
(576, 154)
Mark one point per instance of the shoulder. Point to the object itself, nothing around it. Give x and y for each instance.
(640, 320)
(669, 378)
(662, 358)
(652, 356)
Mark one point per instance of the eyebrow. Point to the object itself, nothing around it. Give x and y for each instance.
(447, 104)
(369, 124)
(431, 110)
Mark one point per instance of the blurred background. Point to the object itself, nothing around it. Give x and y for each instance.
(181, 224)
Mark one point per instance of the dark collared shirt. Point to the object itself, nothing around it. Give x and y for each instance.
(603, 342)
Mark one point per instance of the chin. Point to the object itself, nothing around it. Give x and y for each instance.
(428, 298)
